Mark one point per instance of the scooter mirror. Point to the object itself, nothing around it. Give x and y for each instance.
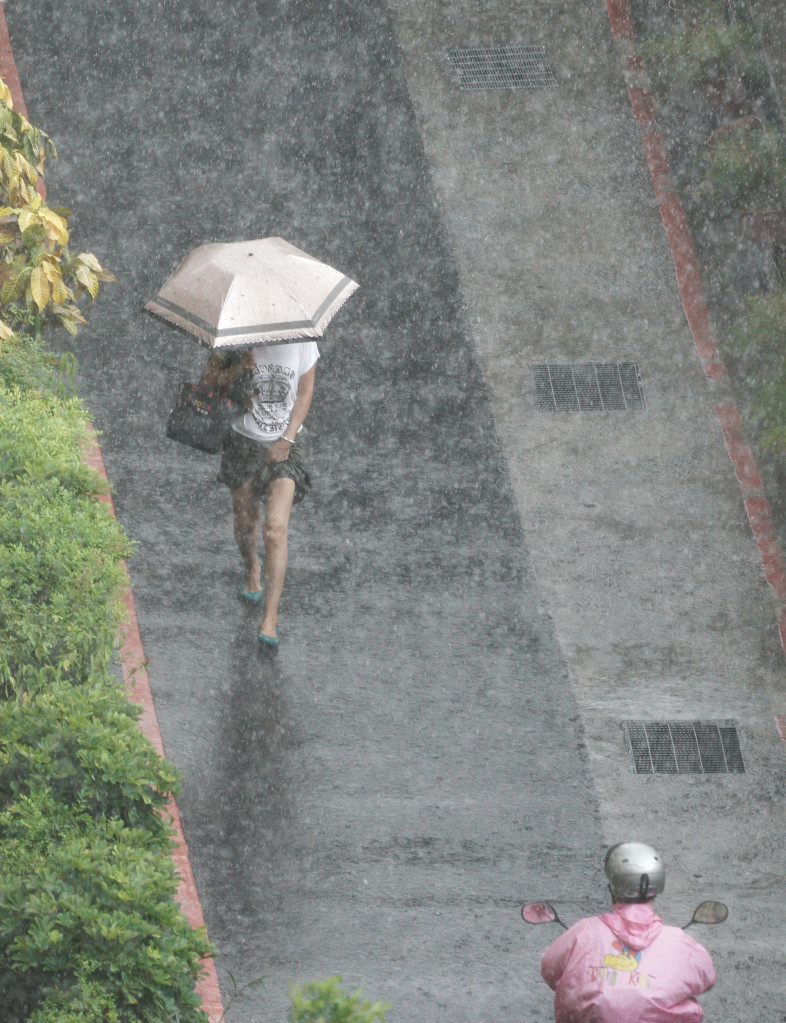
(539, 913)
(710, 913)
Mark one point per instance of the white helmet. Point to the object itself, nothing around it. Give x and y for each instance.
(635, 872)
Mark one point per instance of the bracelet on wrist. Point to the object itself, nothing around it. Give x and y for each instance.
(286, 439)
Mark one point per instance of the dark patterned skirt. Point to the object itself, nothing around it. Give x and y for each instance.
(244, 459)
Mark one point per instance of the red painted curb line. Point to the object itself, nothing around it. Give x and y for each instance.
(689, 281)
(134, 667)
(132, 654)
(680, 242)
(8, 70)
(740, 453)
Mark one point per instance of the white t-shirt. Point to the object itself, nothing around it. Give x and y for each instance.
(274, 382)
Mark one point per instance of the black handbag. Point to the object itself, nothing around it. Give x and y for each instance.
(201, 416)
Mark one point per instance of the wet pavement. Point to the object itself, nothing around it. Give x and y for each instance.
(480, 593)
(379, 799)
(635, 523)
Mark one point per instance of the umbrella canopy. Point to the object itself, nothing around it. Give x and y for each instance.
(237, 294)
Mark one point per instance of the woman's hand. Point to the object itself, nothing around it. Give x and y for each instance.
(278, 451)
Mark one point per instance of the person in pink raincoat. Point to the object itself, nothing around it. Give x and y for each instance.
(627, 966)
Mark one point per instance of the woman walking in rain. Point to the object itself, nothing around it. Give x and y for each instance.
(262, 461)
(256, 300)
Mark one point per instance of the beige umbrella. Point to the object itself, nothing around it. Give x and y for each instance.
(235, 294)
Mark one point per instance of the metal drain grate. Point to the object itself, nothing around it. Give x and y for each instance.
(589, 387)
(685, 747)
(502, 67)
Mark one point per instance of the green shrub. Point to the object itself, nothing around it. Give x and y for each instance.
(759, 342)
(42, 282)
(84, 1002)
(709, 48)
(60, 576)
(324, 1001)
(44, 436)
(24, 364)
(748, 165)
(89, 928)
(91, 900)
(83, 746)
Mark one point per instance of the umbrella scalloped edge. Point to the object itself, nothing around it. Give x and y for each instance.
(180, 321)
(248, 340)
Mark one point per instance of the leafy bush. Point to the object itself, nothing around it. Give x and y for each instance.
(708, 48)
(759, 342)
(59, 580)
(89, 928)
(83, 746)
(84, 1002)
(749, 165)
(25, 365)
(40, 277)
(44, 436)
(86, 900)
(324, 1001)
(26, 150)
(42, 282)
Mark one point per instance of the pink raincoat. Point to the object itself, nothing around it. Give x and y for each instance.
(626, 966)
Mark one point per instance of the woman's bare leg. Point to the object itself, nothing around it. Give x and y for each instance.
(278, 505)
(245, 507)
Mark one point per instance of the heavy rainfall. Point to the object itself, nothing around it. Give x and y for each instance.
(483, 596)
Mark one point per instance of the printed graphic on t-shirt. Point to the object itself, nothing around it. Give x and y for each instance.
(272, 386)
(620, 967)
(623, 958)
